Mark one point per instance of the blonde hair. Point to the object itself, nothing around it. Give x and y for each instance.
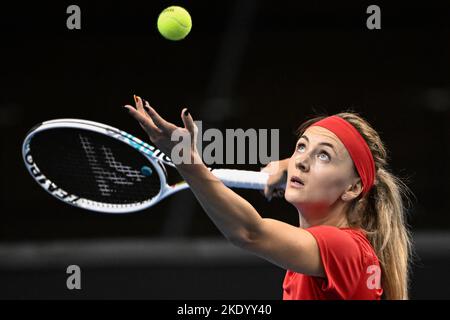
(381, 212)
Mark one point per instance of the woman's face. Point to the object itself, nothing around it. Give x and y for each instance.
(320, 170)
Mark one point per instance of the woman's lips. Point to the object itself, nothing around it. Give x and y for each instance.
(296, 182)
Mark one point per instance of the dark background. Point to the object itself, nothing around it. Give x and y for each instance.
(245, 64)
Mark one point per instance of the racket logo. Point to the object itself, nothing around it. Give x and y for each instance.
(145, 147)
(48, 185)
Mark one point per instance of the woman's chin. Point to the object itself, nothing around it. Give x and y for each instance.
(293, 196)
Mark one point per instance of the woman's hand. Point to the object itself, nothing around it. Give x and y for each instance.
(164, 134)
(277, 171)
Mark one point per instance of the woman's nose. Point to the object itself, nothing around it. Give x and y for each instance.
(302, 163)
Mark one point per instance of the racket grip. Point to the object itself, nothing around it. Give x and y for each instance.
(242, 179)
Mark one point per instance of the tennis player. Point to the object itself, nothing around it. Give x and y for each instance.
(352, 242)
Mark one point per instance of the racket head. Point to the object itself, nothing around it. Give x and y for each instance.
(95, 166)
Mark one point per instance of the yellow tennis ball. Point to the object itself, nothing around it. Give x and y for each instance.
(174, 23)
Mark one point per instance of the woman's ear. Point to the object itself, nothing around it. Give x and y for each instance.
(353, 191)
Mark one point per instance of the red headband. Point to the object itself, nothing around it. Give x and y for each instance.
(356, 146)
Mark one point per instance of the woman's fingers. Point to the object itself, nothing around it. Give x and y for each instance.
(145, 122)
(271, 192)
(267, 170)
(144, 107)
(272, 188)
(139, 104)
(188, 122)
(268, 191)
(157, 119)
(280, 193)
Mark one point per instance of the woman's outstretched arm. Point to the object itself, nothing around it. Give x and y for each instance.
(283, 244)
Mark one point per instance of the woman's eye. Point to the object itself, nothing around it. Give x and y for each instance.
(324, 156)
(300, 147)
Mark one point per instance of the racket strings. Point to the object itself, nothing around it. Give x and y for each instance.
(115, 171)
(94, 166)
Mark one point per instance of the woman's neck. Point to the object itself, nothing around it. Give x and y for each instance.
(334, 216)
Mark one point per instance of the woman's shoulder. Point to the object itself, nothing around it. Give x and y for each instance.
(334, 237)
(334, 231)
(357, 234)
(352, 240)
(360, 237)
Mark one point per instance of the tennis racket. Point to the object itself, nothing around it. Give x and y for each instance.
(97, 167)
